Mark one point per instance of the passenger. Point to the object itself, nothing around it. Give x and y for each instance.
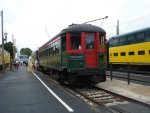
(25, 63)
(21, 63)
(36, 64)
(30, 66)
(17, 64)
(79, 47)
(11, 64)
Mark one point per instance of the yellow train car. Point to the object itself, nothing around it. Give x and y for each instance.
(132, 48)
(6, 58)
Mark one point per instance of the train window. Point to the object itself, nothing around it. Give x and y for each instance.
(131, 53)
(53, 49)
(76, 41)
(115, 54)
(58, 47)
(140, 37)
(122, 41)
(149, 51)
(50, 50)
(113, 42)
(101, 39)
(130, 39)
(64, 43)
(90, 41)
(141, 52)
(148, 36)
(123, 53)
(45, 53)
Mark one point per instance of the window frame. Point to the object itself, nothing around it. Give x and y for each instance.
(141, 52)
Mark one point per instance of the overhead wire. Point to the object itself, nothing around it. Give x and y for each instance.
(127, 22)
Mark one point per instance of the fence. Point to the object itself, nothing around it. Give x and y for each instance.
(131, 74)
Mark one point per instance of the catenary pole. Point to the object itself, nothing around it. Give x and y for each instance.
(117, 28)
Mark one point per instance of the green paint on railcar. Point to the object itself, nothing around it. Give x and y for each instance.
(53, 61)
(64, 60)
(102, 60)
(75, 62)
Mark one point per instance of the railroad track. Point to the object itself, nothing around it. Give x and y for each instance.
(100, 99)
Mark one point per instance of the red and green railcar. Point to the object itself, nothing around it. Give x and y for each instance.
(77, 51)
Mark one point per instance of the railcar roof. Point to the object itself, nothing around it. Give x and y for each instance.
(133, 32)
(78, 28)
(82, 28)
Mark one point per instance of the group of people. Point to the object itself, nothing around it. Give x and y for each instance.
(32, 65)
(15, 64)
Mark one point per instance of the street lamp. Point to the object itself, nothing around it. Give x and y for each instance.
(5, 36)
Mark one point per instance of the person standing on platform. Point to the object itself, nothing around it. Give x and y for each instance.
(17, 64)
(11, 64)
(30, 66)
(36, 64)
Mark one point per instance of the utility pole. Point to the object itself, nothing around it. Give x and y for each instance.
(14, 42)
(117, 28)
(3, 62)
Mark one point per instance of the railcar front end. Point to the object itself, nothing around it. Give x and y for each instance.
(77, 51)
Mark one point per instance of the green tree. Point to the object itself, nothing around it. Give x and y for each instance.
(26, 51)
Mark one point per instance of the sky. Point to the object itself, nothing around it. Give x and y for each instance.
(33, 22)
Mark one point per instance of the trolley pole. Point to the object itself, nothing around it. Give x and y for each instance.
(96, 20)
(3, 62)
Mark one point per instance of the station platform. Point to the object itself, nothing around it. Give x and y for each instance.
(27, 92)
(134, 91)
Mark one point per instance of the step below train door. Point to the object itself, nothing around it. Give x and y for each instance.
(90, 50)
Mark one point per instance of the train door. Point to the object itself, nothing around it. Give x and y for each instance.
(90, 50)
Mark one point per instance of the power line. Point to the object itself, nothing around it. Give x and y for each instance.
(127, 22)
(23, 24)
(61, 12)
(136, 19)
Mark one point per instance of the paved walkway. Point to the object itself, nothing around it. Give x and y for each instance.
(26, 92)
(134, 91)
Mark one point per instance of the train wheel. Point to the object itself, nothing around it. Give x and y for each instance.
(71, 79)
(61, 77)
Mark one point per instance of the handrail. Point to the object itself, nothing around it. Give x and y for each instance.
(127, 70)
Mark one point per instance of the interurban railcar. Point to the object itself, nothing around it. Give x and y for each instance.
(77, 51)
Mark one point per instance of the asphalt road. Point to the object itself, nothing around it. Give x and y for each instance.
(25, 92)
